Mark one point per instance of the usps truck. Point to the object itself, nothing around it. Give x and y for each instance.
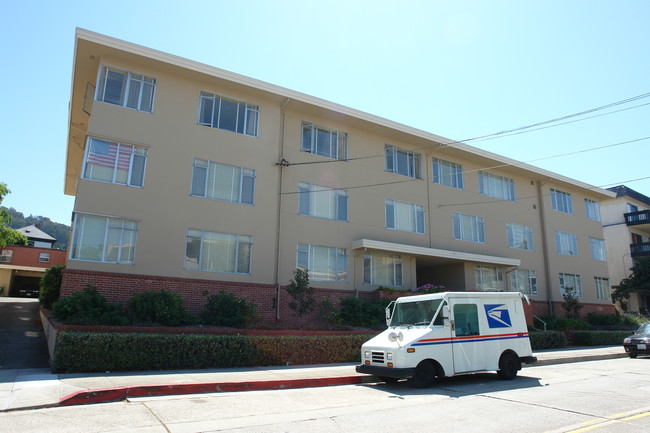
(446, 334)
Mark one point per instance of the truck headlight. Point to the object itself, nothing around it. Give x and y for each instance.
(389, 356)
(366, 354)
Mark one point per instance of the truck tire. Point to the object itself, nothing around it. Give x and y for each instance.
(508, 366)
(425, 375)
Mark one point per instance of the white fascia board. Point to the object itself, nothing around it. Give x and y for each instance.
(22, 268)
(433, 252)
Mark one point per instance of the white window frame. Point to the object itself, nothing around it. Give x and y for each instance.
(396, 270)
(125, 157)
(566, 244)
(246, 118)
(592, 210)
(496, 186)
(6, 256)
(338, 141)
(234, 248)
(561, 201)
(598, 251)
(122, 226)
(489, 279)
(44, 257)
(337, 262)
(603, 289)
(312, 197)
(127, 90)
(570, 280)
(476, 227)
(524, 281)
(242, 182)
(416, 218)
(412, 159)
(520, 236)
(447, 173)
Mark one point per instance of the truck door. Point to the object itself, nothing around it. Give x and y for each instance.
(466, 337)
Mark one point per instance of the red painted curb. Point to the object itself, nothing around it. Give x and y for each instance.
(117, 394)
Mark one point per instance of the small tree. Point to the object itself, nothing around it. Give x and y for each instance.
(50, 286)
(637, 282)
(8, 236)
(571, 303)
(302, 296)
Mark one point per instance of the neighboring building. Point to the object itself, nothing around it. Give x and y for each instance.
(626, 224)
(21, 267)
(194, 179)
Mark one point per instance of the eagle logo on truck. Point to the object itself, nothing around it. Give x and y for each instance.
(498, 316)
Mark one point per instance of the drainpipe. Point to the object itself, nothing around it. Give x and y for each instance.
(547, 264)
(282, 163)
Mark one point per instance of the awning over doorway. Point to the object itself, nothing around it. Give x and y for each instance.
(433, 252)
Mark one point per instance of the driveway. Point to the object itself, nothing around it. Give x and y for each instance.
(22, 343)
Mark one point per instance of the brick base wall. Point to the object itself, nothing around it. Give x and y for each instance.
(119, 288)
(541, 308)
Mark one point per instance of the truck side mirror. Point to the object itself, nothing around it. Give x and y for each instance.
(445, 311)
(388, 313)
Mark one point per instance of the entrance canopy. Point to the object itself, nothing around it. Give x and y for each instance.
(434, 253)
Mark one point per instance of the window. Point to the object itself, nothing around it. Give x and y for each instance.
(44, 257)
(466, 319)
(104, 239)
(113, 162)
(566, 243)
(382, 270)
(126, 89)
(6, 256)
(496, 186)
(632, 208)
(228, 114)
(325, 142)
(602, 288)
(322, 202)
(406, 217)
(323, 263)
(597, 247)
(570, 281)
(222, 182)
(524, 281)
(489, 279)
(447, 173)
(561, 201)
(637, 238)
(592, 210)
(520, 236)
(404, 162)
(218, 252)
(468, 227)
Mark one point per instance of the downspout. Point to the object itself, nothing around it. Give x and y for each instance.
(547, 264)
(282, 163)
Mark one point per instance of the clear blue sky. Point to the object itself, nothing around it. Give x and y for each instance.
(459, 69)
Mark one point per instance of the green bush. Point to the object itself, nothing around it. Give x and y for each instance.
(363, 313)
(225, 309)
(50, 286)
(564, 323)
(163, 307)
(88, 307)
(90, 352)
(599, 338)
(547, 340)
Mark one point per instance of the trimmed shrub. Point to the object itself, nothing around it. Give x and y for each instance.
(50, 286)
(547, 340)
(225, 309)
(88, 307)
(367, 314)
(599, 338)
(565, 324)
(91, 352)
(163, 307)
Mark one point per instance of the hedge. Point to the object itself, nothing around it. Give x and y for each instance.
(547, 340)
(599, 338)
(78, 352)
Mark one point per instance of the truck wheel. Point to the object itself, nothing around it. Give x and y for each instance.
(425, 375)
(508, 366)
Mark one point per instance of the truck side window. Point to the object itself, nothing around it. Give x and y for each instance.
(466, 319)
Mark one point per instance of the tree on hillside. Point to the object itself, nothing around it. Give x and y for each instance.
(58, 231)
(8, 236)
(637, 282)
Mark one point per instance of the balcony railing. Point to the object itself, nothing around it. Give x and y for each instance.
(636, 218)
(639, 250)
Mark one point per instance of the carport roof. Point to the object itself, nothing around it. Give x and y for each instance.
(433, 252)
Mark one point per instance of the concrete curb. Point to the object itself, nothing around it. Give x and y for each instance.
(586, 358)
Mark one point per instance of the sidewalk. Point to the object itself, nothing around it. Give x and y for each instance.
(37, 388)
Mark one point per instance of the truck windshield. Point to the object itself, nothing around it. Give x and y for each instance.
(416, 313)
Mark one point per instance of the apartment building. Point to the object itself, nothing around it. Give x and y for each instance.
(194, 179)
(626, 225)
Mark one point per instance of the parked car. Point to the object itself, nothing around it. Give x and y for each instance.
(639, 343)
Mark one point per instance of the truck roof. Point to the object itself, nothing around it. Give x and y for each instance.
(446, 295)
